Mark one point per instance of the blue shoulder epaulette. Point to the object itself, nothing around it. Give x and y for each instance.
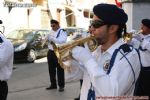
(1, 40)
(126, 49)
(59, 32)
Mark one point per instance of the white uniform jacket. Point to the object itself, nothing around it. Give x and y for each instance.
(6, 59)
(52, 36)
(120, 80)
(145, 44)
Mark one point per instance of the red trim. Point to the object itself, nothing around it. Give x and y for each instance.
(119, 4)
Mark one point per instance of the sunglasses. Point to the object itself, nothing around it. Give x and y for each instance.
(97, 23)
(53, 25)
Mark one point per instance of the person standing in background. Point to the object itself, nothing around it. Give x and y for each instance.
(58, 36)
(6, 64)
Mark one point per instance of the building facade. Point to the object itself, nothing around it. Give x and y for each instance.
(18, 14)
(35, 14)
(136, 10)
(76, 13)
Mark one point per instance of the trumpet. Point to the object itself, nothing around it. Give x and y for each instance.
(63, 51)
(128, 36)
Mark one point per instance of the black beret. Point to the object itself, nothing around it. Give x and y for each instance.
(1, 22)
(146, 22)
(110, 14)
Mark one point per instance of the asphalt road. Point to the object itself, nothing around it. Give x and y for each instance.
(29, 81)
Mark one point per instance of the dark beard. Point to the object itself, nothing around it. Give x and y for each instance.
(100, 41)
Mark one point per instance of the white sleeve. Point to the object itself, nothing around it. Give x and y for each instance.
(6, 51)
(145, 45)
(93, 68)
(135, 43)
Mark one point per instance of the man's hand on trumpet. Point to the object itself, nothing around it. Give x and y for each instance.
(49, 39)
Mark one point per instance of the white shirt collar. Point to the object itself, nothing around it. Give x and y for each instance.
(114, 46)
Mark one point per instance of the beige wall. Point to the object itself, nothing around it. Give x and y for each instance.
(111, 1)
(39, 18)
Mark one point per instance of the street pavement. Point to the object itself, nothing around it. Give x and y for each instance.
(33, 88)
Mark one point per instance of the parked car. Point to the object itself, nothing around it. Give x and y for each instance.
(74, 32)
(27, 44)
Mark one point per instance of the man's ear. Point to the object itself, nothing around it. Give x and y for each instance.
(113, 28)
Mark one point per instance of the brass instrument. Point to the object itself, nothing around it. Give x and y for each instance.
(128, 36)
(63, 51)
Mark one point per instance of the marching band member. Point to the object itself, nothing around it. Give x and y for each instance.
(108, 71)
(141, 41)
(6, 64)
(142, 38)
(59, 36)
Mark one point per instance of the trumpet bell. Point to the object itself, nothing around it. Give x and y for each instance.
(128, 36)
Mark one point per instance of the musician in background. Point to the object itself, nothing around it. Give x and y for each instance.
(58, 36)
(145, 36)
(6, 64)
(142, 38)
(141, 41)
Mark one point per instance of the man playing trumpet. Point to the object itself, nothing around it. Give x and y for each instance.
(141, 41)
(113, 68)
(142, 36)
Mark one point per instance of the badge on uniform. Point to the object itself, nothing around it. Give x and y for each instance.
(106, 65)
